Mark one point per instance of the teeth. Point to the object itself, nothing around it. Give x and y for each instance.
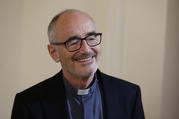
(85, 59)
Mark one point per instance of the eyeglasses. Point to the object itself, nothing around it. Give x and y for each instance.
(75, 43)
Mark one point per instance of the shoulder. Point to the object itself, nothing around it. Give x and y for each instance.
(121, 96)
(114, 83)
(42, 89)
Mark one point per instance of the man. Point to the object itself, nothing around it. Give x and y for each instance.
(79, 90)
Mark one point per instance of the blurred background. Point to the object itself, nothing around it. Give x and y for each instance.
(140, 44)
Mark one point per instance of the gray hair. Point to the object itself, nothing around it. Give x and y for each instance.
(51, 27)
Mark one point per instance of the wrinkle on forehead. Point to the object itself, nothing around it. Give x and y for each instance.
(70, 15)
(74, 23)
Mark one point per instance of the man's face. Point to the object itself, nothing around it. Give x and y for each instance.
(81, 63)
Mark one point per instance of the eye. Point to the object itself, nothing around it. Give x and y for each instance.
(73, 42)
(93, 37)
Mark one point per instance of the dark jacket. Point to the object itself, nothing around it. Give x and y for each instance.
(47, 100)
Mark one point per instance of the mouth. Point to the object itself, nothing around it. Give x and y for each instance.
(86, 61)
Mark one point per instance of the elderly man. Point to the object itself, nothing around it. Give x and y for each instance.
(79, 90)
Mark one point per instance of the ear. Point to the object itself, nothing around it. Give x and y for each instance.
(53, 53)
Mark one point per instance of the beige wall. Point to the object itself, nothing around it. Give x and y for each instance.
(170, 95)
(10, 59)
(136, 46)
(142, 55)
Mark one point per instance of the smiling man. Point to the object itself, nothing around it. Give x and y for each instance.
(76, 46)
(79, 90)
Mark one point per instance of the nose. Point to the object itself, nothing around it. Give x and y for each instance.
(85, 48)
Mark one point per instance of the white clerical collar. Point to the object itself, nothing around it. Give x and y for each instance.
(83, 91)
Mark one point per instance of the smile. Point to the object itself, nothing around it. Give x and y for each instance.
(86, 59)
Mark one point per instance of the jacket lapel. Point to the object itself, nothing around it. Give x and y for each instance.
(55, 106)
(103, 95)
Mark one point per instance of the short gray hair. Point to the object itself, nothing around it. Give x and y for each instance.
(51, 28)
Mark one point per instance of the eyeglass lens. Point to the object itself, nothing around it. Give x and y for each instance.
(91, 40)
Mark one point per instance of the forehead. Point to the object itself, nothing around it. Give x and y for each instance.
(73, 24)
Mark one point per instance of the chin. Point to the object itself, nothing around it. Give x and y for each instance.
(87, 73)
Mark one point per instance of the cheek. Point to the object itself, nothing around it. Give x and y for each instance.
(65, 57)
(97, 50)
(98, 54)
(61, 54)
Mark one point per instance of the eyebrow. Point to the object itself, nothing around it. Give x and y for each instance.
(77, 37)
(90, 33)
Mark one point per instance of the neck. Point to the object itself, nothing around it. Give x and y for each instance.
(79, 82)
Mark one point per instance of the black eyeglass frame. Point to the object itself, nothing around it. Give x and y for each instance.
(81, 39)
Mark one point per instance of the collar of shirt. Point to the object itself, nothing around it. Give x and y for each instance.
(72, 91)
